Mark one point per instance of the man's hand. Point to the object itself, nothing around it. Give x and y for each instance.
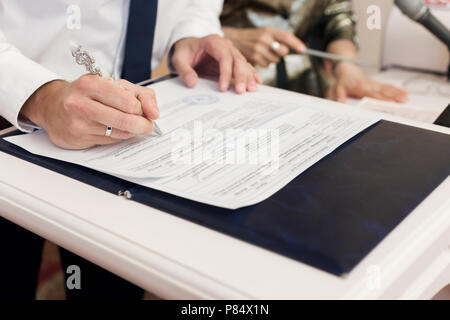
(75, 115)
(214, 56)
(256, 44)
(350, 81)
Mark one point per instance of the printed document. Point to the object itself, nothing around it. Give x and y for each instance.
(221, 149)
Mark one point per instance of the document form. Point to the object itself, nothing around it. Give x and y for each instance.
(221, 149)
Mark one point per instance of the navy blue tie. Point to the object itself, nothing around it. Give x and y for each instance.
(139, 40)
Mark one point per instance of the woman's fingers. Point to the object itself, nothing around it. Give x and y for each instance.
(267, 41)
(286, 41)
(282, 51)
(267, 53)
(394, 93)
(289, 40)
(259, 60)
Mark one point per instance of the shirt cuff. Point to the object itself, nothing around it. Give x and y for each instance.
(20, 78)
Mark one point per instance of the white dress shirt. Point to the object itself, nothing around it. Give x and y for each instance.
(35, 38)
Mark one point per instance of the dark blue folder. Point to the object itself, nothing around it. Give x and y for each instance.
(329, 217)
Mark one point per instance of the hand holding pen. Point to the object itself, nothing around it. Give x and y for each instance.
(81, 114)
(82, 57)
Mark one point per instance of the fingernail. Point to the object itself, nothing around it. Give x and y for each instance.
(224, 86)
(302, 48)
(252, 86)
(152, 127)
(240, 88)
(189, 79)
(259, 78)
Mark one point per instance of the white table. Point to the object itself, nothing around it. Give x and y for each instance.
(174, 258)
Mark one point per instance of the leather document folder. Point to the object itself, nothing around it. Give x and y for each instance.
(331, 216)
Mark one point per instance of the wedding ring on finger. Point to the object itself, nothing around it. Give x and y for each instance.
(275, 46)
(108, 131)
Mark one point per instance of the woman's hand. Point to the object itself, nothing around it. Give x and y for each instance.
(258, 44)
(350, 81)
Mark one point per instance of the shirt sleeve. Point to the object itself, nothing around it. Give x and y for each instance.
(339, 22)
(20, 77)
(199, 18)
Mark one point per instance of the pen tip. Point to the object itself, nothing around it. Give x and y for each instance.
(157, 130)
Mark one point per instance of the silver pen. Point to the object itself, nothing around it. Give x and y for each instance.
(82, 57)
(335, 57)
